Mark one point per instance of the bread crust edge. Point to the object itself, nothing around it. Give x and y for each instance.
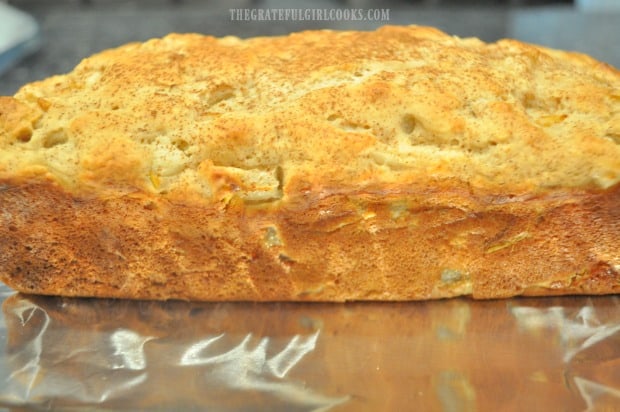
(318, 245)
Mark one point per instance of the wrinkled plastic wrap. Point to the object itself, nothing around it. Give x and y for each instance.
(451, 355)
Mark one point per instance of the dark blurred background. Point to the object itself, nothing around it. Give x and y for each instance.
(69, 30)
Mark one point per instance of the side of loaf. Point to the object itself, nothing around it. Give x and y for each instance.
(399, 164)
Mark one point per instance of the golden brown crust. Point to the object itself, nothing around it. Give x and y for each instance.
(396, 164)
(326, 245)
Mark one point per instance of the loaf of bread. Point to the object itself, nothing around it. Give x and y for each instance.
(399, 164)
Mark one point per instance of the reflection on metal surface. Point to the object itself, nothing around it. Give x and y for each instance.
(588, 341)
(30, 355)
(597, 395)
(297, 348)
(192, 355)
(129, 346)
(455, 392)
(452, 355)
(577, 332)
(455, 325)
(55, 354)
(247, 368)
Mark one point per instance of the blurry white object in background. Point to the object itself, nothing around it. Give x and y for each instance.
(19, 36)
(595, 5)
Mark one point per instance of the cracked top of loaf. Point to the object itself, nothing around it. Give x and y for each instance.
(212, 119)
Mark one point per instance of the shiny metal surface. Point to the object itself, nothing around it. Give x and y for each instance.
(453, 355)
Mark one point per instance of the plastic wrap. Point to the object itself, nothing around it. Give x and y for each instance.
(451, 355)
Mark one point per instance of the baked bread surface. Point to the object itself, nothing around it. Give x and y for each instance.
(392, 165)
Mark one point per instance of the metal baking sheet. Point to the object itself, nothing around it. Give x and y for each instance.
(450, 355)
